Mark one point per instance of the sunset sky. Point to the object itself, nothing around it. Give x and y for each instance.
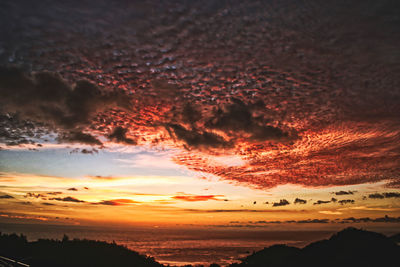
(210, 113)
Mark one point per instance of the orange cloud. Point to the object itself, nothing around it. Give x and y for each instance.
(193, 198)
(23, 216)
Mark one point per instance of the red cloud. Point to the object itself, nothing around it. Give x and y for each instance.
(299, 106)
(193, 198)
(355, 153)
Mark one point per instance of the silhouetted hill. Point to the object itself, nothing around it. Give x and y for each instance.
(350, 247)
(276, 255)
(56, 253)
(396, 238)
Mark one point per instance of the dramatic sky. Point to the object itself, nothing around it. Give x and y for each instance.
(234, 113)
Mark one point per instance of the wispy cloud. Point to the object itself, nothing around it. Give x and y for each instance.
(67, 199)
(330, 212)
(116, 202)
(6, 197)
(384, 195)
(244, 211)
(194, 198)
(370, 208)
(341, 193)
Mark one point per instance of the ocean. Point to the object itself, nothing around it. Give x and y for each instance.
(177, 246)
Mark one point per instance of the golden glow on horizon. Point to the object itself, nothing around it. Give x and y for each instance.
(127, 200)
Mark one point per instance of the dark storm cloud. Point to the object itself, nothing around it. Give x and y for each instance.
(14, 131)
(119, 135)
(235, 119)
(238, 117)
(282, 202)
(191, 114)
(46, 99)
(79, 137)
(72, 189)
(164, 88)
(300, 201)
(194, 138)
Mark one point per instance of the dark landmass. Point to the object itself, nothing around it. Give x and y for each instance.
(76, 252)
(349, 247)
(396, 238)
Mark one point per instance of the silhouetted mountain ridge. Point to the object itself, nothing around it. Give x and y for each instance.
(63, 253)
(349, 247)
(395, 238)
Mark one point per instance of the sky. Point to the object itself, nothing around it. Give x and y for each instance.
(208, 113)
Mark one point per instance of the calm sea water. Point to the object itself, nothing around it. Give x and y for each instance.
(177, 246)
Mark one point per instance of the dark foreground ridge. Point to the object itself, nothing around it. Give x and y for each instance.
(350, 247)
(56, 253)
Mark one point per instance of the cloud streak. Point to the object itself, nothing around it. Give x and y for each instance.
(195, 198)
(341, 193)
(384, 195)
(67, 199)
(385, 219)
(6, 197)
